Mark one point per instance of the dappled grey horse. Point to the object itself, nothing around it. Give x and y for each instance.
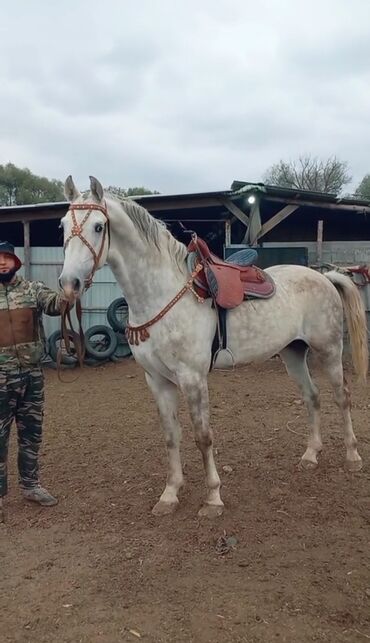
(172, 331)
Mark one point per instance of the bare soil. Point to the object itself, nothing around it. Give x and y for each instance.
(100, 568)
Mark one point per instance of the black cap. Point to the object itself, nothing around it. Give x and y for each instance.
(7, 249)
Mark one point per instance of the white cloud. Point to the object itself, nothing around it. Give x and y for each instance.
(182, 96)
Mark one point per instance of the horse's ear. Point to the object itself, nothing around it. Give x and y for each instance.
(70, 191)
(96, 188)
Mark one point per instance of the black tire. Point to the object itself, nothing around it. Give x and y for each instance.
(117, 314)
(105, 347)
(123, 348)
(55, 342)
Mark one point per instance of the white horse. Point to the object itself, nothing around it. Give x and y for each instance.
(150, 266)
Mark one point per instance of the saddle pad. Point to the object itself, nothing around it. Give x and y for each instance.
(244, 257)
(262, 288)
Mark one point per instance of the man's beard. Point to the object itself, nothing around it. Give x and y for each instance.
(6, 277)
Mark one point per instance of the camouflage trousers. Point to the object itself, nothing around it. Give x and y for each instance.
(22, 400)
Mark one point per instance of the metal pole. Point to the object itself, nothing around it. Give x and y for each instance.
(27, 249)
(320, 227)
(227, 232)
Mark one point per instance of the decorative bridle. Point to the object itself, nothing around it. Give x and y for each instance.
(68, 333)
(77, 232)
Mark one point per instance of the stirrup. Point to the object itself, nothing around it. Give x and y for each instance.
(217, 353)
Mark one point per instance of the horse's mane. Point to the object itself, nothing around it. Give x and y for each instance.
(152, 230)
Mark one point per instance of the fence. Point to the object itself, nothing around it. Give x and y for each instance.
(341, 253)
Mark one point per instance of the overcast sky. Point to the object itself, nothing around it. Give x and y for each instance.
(182, 96)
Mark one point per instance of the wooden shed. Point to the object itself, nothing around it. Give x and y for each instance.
(287, 226)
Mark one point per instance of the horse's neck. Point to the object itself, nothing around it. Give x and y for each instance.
(148, 279)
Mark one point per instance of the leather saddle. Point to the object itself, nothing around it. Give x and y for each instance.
(228, 282)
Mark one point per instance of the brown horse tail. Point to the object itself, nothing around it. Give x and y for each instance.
(355, 314)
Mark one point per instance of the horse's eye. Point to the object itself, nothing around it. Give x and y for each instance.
(98, 227)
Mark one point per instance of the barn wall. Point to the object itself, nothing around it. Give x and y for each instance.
(340, 252)
(345, 253)
(46, 265)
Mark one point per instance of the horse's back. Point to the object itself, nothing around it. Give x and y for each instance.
(302, 280)
(305, 306)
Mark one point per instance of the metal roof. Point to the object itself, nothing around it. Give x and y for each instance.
(211, 203)
(153, 202)
(242, 187)
(61, 205)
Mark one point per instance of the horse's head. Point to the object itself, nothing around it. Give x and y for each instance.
(86, 237)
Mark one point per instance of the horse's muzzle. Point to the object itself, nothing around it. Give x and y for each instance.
(72, 287)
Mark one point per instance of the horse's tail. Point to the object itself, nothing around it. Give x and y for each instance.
(354, 310)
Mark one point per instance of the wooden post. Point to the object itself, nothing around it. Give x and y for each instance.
(277, 218)
(237, 212)
(27, 249)
(320, 227)
(227, 232)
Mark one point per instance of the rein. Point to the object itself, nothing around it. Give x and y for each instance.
(68, 335)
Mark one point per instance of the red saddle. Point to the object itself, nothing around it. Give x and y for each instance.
(229, 284)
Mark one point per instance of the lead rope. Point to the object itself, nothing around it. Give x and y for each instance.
(68, 335)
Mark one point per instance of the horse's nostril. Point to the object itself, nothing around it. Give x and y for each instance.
(76, 284)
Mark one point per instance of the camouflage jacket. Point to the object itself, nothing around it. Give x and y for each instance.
(22, 337)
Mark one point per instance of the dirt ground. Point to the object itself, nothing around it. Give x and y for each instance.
(101, 568)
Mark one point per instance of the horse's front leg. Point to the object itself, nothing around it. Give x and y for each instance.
(166, 396)
(195, 390)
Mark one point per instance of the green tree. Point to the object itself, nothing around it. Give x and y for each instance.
(19, 186)
(363, 190)
(310, 173)
(122, 193)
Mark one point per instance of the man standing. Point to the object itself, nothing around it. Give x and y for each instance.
(22, 338)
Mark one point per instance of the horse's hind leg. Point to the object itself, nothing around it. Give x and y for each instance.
(333, 367)
(294, 357)
(166, 396)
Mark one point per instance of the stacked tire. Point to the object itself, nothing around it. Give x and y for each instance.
(56, 344)
(102, 342)
(117, 316)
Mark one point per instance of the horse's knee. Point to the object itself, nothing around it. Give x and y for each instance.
(204, 440)
(312, 399)
(170, 442)
(347, 403)
(342, 398)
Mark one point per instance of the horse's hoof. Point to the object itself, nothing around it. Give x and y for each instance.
(307, 465)
(211, 511)
(164, 508)
(354, 465)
